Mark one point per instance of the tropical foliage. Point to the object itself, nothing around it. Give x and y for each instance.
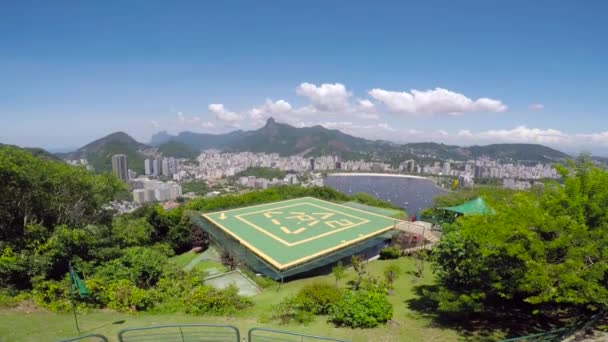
(542, 249)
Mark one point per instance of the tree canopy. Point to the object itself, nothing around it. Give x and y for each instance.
(541, 248)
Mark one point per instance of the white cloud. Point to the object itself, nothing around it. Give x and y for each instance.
(154, 124)
(185, 120)
(442, 132)
(434, 101)
(366, 110)
(600, 138)
(207, 124)
(525, 134)
(537, 106)
(465, 133)
(268, 109)
(229, 118)
(369, 131)
(326, 97)
(414, 131)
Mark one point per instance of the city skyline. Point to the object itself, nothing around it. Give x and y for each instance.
(467, 73)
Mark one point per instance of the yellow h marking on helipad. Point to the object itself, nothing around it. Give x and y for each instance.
(269, 214)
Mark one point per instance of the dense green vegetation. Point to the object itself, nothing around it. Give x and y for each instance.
(178, 150)
(542, 255)
(56, 216)
(262, 172)
(544, 251)
(99, 152)
(199, 187)
(41, 325)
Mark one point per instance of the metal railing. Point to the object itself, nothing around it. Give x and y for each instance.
(89, 337)
(181, 333)
(553, 335)
(271, 335)
(203, 333)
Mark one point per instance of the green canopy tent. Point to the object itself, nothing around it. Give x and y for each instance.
(476, 206)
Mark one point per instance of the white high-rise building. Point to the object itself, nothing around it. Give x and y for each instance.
(149, 167)
(156, 164)
(446, 168)
(120, 167)
(165, 167)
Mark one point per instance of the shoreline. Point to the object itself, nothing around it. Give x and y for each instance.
(376, 175)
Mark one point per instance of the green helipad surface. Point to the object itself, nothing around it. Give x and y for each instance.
(291, 232)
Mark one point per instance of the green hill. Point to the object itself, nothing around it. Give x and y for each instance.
(99, 152)
(284, 139)
(37, 152)
(178, 150)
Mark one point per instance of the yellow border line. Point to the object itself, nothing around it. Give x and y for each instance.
(280, 266)
(363, 211)
(295, 243)
(291, 244)
(250, 246)
(340, 246)
(258, 205)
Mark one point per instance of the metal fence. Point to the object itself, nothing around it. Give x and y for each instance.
(550, 336)
(203, 333)
(87, 338)
(181, 333)
(271, 335)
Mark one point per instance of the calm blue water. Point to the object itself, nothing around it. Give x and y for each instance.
(410, 193)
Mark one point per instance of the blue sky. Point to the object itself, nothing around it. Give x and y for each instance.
(471, 72)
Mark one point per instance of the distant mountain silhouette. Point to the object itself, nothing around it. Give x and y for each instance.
(284, 139)
(99, 152)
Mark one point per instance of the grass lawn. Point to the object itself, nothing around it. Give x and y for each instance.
(186, 258)
(31, 324)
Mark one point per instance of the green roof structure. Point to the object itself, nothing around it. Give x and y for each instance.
(474, 207)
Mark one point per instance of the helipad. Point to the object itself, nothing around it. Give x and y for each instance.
(291, 232)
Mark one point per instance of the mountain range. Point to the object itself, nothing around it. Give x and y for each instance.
(284, 139)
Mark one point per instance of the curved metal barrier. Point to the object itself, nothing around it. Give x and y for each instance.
(554, 335)
(181, 333)
(271, 335)
(89, 337)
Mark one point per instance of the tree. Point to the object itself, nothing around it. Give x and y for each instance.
(546, 247)
(49, 193)
(359, 265)
(228, 260)
(131, 232)
(200, 238)
(338, 272)
(391, 273)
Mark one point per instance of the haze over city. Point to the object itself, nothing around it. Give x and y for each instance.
(460, 73)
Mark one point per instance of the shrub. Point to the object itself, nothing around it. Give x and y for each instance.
(141, 265)
(10, 298)
(53, 295)
(131, 232)
(338, 272)
(391, 273)
(123, 295)
(13, 268)
(292, 309)
(204, 299)
(228, 260)
(318, 297)
(389, 253)
(199, 238)
(365, 308)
